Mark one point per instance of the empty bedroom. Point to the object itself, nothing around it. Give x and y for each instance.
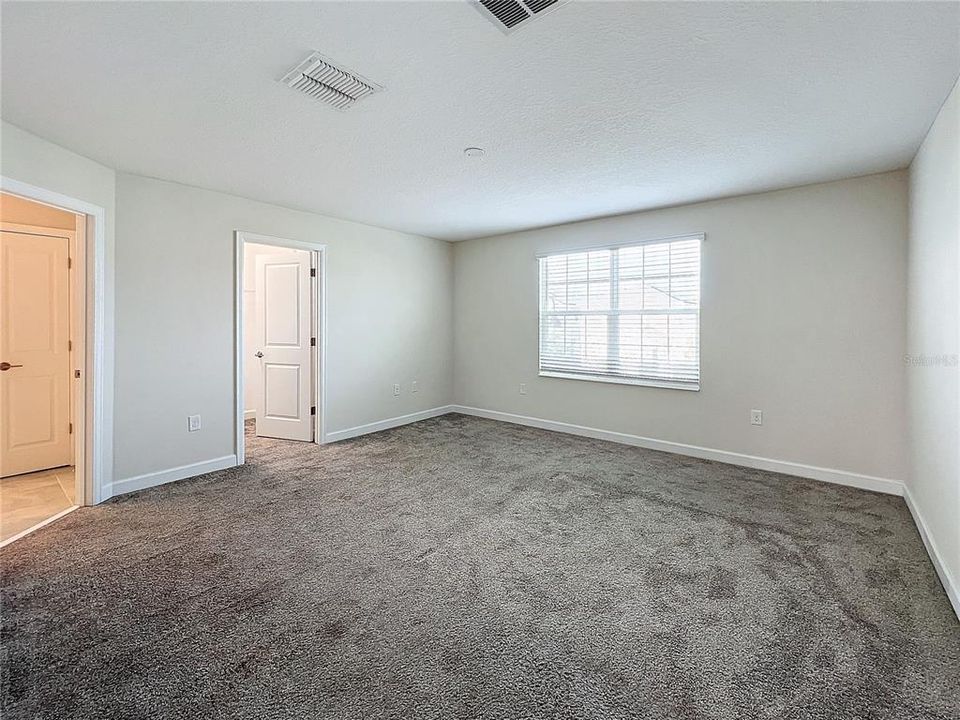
(480, 359)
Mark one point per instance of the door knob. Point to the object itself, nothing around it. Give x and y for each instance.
(256, 354)
(6, 366)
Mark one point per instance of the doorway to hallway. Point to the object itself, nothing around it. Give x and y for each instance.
(280, 339)
(42, 363)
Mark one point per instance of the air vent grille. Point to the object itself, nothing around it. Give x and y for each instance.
(509, 15)
(539, 5)
(322, 80)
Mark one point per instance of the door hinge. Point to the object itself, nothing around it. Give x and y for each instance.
(313, 342)
(71, 428)
(69, 263)
(313, 410)
(313, 272)
(69, 345)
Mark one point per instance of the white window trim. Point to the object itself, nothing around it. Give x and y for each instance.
(615, 379)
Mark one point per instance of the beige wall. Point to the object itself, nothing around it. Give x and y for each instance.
(803, 318)
(933, 343)
(388, 313)
(17, 210)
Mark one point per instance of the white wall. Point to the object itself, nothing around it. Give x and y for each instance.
(933, 340)
(388, 313)
(251, 371)
(32, 160)
(803, 317)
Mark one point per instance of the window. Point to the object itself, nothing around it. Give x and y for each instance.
(628, 313)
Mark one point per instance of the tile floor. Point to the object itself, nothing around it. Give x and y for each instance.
(26, 500)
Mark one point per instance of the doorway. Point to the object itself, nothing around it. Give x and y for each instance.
(279, 340)
(42, 363)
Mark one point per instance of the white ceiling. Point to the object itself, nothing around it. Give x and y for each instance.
(596, 108)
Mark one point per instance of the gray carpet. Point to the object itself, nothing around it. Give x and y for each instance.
(462, 568)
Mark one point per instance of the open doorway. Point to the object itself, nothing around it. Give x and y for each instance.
(280, 339)
(42, 363)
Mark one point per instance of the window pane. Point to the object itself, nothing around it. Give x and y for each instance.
(556, 297)
(655, 330)
(573, 336)
(576, 296)
(599, 297)
(630, 261)
(600, 264)
(684, 291)
(627, 312)
(631, 295)
(596, 342)
(630, 343)
(656, 260)
(556, 269)
(656, 293)
(683, 330)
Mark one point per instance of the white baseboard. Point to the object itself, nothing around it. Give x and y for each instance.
(949, 583)
(141, 482)
(249, 414)
(373, 427)
(837, 477)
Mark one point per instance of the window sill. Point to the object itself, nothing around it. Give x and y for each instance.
(694, 387)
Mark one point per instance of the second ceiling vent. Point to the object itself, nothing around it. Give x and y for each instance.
(319, 78)
(510, 15)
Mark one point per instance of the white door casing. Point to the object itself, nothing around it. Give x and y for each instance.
(284, 324)
(34, 341)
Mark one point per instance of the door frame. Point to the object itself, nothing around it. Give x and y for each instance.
(94, 417)
(318, 330)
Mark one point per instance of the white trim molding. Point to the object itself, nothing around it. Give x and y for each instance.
(949, 583)
(393, 422)
(161, 477)
(837, 477)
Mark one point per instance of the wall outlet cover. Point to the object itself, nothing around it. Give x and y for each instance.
(193, 423)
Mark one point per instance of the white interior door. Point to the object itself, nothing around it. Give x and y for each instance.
(34, 353)
(284, 323)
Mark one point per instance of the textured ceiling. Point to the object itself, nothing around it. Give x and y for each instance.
(597, 108)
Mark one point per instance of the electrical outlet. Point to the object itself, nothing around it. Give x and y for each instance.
(413, 386)
(756, 417)
(523, 388)
(396, 389)
(193, 423)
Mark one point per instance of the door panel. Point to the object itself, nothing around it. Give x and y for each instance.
(283, 338)
(281, 301)
(283, 391)
(34, 339)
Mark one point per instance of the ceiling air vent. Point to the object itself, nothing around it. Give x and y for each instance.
(322, 80)
(509, 15)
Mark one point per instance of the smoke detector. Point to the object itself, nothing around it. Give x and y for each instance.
(323, 80)
(510, 15)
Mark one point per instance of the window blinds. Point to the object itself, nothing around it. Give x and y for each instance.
(628, 313)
